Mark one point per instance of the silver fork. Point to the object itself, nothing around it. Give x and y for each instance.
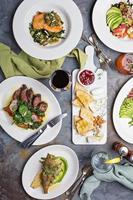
(102, 63)
(103, 59)
(99, 51)
(87, 170)
(29, 141)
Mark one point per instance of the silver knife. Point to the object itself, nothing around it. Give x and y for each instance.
(29, 141)
(92, 39)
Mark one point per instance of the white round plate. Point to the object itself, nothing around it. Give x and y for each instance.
(121, 125)
(33, 166)
(103, 31)
(8, 87)
(70, 15)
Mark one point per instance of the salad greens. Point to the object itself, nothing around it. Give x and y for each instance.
(23, 115)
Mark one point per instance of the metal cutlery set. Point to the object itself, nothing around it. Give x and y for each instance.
(29, 141)
(104, 60)
(87, 171)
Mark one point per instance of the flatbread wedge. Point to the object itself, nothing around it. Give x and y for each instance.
(76, 119)
(86, 114)
(79, 87)
(84, 97)
(83, 126)
(36, 183)
(76, 102)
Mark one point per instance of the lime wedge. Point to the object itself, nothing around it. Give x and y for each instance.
(113, 161)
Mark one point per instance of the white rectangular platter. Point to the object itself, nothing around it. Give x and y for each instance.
(99, 105)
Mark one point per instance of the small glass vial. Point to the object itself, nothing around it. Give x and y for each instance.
(121, 149)
(130, 156)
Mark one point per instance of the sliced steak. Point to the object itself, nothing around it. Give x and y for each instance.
(42, 106)
(23, 95)
(7, 109)
(13, 105)
(36, 118)
(24, 87)
(17, 93)
(36, 100)
(29, 94)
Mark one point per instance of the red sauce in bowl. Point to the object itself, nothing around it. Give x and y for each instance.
(86, 77)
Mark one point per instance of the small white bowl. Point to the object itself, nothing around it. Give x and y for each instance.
(79, 78)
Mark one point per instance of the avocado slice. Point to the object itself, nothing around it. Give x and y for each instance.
(115, 24)
(114, 20)
(64, 168)
(113, 10)
(110, 20)
(111, 16)
(114, 17)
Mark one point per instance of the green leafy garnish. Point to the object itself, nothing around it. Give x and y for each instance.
(37, 111)
(35, 125)
(23, 109)
(27, 117)
(18, 118)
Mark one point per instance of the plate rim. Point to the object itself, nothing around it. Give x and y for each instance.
(59, 54)
(114, 109)
(116, 48)
(46, 147)
(54, 97)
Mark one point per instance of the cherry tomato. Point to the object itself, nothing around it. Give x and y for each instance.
(121, 31)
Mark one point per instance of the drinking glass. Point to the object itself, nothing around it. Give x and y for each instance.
(98, 162)
(60, 81)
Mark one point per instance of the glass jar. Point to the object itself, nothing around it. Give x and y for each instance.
(124, 64)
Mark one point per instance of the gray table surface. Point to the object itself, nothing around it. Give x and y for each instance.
(13, 158)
